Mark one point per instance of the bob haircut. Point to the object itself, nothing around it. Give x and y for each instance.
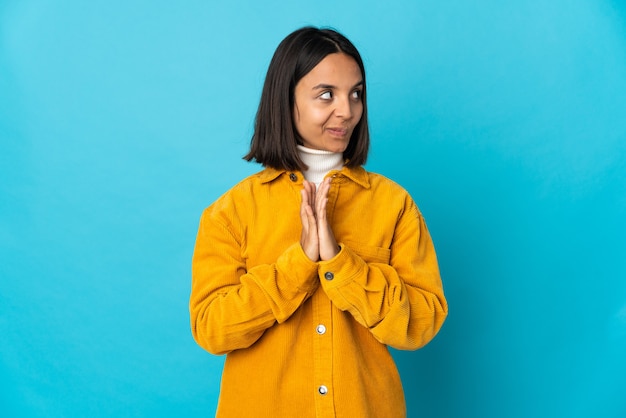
(275, 138)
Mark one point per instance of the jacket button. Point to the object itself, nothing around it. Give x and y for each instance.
(323, 390)
(321, 329)
(293, 177)
(329, 276)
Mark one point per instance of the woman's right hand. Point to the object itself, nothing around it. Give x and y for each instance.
(309, 239)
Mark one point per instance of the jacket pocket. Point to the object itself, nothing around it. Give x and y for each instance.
(369, 253)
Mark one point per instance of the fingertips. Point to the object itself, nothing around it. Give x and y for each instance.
(304, 194)
(326, 185)
(308, 186)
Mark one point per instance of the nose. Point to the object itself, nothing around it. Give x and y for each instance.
(343, 108)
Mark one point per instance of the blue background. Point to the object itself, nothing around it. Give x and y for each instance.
(121, 120)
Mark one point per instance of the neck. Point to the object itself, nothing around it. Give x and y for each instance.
(319, 163)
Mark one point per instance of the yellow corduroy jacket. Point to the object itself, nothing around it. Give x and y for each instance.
(309, 339)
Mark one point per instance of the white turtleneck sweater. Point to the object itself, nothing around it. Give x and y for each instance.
(320, 162)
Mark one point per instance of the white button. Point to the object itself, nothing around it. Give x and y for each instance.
(321, 329)
(323, 390)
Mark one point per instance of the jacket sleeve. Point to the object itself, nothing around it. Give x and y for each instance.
(230, 306)
(401, 302)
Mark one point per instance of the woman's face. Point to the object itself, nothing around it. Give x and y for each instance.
(328, 103)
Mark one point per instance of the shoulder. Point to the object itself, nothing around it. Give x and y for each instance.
(388, 190)
(379, 180)
(383, 184)
(243, 187)
(245, 193)
(235, 196)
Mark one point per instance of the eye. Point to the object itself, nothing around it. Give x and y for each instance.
(327, 95)
(356, 94)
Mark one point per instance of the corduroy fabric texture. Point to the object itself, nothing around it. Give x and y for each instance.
(304, 338)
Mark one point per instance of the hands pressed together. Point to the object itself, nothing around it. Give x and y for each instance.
(317, 239)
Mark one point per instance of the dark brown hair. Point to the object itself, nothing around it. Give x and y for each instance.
(275, 137)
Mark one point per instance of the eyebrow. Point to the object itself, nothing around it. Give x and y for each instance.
(331, 87)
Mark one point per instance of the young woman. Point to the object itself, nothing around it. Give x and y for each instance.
(305, 272)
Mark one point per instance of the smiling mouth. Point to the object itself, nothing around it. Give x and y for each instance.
(340, 132)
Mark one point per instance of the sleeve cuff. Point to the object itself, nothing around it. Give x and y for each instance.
(341, 269)
(298, 267)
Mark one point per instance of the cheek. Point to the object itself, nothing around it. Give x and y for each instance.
(314, 117)
(358, 113)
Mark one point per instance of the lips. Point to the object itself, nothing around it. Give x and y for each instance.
(337, 131)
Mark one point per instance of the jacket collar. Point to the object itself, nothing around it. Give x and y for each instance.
(357, 175)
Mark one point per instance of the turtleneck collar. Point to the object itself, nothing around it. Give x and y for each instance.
(319, 162)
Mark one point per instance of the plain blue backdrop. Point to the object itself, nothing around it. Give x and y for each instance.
(121, 120)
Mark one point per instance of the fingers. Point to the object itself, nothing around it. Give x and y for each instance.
(303, 210)
(321, 199)
(328, 247)
(317, 239)
(309, 189)
(309, 237)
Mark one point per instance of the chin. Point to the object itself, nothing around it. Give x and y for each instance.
(338, 147)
